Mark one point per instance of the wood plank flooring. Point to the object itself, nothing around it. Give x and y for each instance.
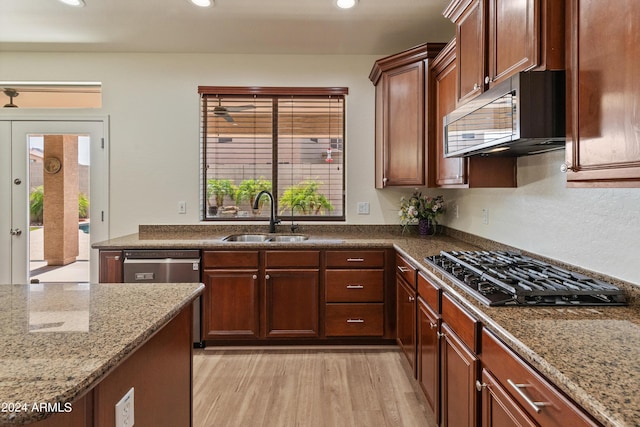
(307, 387)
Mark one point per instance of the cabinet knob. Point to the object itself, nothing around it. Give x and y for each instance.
(411, 299)
(440, 334)
(566, 167)
(433, 325)
(487, 80)
(480, 386)
(476, 86)
(16, 232)
(267, 277)
(384, 182)
(255, 276)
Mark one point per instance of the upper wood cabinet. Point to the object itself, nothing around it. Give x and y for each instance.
(461, 172)
(401, 132)
(498, 38)
(603, 94)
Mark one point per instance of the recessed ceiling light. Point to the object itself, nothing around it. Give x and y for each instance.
(75, 3)
(346, 4)
(202, 3)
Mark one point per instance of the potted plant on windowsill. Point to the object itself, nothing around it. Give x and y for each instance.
(423, 210)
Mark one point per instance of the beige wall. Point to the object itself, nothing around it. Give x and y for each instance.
(152, 102)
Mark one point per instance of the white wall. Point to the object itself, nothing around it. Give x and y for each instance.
(153, 103)
(594, 228)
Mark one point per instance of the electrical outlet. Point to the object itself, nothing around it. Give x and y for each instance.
(124, 410)
(485, 216)
(363, 208)
(182, 207)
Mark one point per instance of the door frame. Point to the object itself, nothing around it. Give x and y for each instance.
(11, 215)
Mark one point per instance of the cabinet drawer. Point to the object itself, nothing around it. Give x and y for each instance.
(343, 320)
(275, 259)
(228, 259)
(463, 324)
(355, 259)
(406, 270)
(429, 292)
(527, 387)
(354, 285)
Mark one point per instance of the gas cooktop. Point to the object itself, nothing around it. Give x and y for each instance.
(510, 278)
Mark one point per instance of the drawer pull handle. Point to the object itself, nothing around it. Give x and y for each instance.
(355, 259)
(355, 320)
(355, 286)
(404, 269)
(536, 406)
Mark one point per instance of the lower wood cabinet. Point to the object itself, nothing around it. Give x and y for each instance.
(111, 267)
(355, 293)
(513, 393)
(406, 309)
(230, 304)
(459, 365)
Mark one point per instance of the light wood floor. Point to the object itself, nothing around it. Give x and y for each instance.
(306, 387)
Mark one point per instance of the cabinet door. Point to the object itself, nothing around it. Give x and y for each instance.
(291, 303)
(230, 304)
(459, 368)
(470, 39)
(514, 37)
(449, 171)
(111, 267)
(406, 320)
(603, 106)
(404, 146)
(498, 408)
(429, 355)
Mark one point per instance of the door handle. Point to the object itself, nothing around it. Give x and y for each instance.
(16, 232)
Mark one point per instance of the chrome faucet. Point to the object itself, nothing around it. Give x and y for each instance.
(272, 219)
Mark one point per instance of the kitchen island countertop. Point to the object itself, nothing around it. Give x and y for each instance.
(590, 353)
(60, 340)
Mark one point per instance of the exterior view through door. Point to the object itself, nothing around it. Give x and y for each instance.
(59, 198)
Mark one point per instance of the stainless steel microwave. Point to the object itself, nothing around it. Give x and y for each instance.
(522, 115)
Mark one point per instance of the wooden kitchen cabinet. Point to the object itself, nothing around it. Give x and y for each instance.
(459, 365)
(111, 268)
(470, 172)
(406, 309)
(230, 302)
(499, 38)
(291, 294)
(603, 94)
(513, 393)
(402, 135)
(428, 343)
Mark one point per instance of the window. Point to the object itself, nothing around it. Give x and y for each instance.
(289, 141)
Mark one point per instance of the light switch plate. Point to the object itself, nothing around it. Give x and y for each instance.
(124, 410)
(182, 207)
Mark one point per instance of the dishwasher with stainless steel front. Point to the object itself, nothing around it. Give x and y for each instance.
(166, 266)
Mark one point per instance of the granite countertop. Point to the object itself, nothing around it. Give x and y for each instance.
(590, 353)
(59, 340)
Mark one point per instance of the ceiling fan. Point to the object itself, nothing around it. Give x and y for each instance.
(11, 93)
(223, 112)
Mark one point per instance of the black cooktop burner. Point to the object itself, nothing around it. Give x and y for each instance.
(509, 278)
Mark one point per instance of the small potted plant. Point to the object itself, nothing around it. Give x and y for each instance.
(218, 189)
(423, 210)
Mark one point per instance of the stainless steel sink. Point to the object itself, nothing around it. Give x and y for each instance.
(260, 238)
(247, 238)
(288, 238)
